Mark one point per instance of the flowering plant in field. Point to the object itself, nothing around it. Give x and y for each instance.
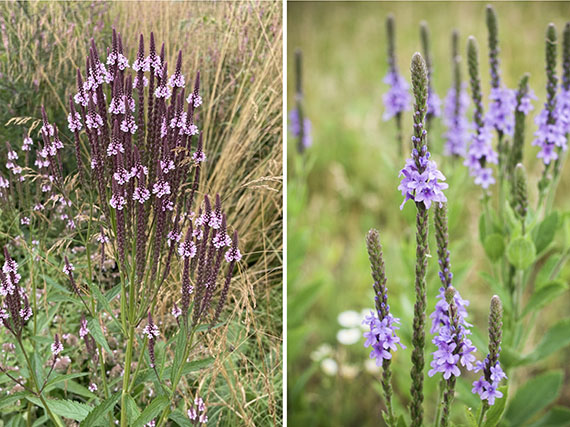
(137, 141)
(518, 239)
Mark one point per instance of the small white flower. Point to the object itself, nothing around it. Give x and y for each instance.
(329, 366)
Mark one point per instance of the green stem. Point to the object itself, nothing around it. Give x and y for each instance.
(483, 411)
(126, 376)
(55, 419)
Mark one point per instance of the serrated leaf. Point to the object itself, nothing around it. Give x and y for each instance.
(97, 334)
(152, 410)
(494, 414)
(555, 338)
(101, 410)
(64, 408)
(181, 419)
(195, 365)
(133, 411)
(178, 352)
(494, 246)
(99, 297)
(546, 231)
(536, 394)
(10, 399)
(521, 252)
(66, 377)
(544, 295)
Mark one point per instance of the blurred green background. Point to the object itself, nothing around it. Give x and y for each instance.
(347, 183)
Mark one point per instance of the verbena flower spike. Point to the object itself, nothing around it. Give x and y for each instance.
(455, 107)
(501, 100)
(487, 385)
(397, 99)
(564, 94)
(523, 108)
(382, 325)
(550, 135)
(433, 101)
(480, 153)
(421, 183)
(299, 124)
(454, 348)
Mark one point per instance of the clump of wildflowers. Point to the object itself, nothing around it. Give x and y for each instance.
(15, 310)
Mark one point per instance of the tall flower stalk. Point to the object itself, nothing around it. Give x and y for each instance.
(420, 183)
(480, 153)
(487, 385)
(433, 101)
(454, 348)
(381, 336)
(455, 107)
(299, 124)
(397, 99)
(550, 135)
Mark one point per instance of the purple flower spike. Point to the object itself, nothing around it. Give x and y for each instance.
(455, 119)
(381, 336)
(398, 98)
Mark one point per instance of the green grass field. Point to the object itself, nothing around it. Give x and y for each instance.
(347, 183)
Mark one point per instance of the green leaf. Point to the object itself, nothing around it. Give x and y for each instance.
(100, 411)
(495, 413)
(10, 399)
(151, 411)
(178, 352)
(66, 377)
(97, 333)
(556, 417)
(544, 295)
(71, 386)
(133, 411)
(471, 420)
(195, 365)
(181, 419)
(494, 246)
(64, 408)
(555, 338)
(100, 298)
(545, 232)
(521, 252)
(533, 396)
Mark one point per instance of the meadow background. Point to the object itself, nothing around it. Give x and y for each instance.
(347, 183)
(237, 47)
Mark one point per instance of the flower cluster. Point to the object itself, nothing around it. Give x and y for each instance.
(398, 98)
(381, 336)
(455, 120)
(453, 345)
(550, 135)
(481, 153)
(488, 390)
(15, 310)
(423, 184)
(197, 412)
(502, 103)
